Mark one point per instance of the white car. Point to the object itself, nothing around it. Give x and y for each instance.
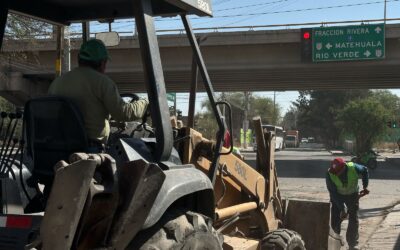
(304, 140)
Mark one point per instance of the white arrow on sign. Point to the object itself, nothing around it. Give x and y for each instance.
(367, 53)
(378, 30)
(328, 46)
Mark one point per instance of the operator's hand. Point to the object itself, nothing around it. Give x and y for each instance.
(144, 103)
(363, 192)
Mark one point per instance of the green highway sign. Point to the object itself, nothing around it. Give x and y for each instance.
(171, 97)
(347, 43)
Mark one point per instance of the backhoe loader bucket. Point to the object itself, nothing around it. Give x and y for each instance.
(312, 221)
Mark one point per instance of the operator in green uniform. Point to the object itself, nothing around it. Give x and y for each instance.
(96, 94)
(342, 183)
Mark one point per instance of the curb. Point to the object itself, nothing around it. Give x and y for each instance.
(338, 152)
(387, 234)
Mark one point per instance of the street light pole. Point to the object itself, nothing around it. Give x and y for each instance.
(384, 13)
(274, 111)
(245, 122)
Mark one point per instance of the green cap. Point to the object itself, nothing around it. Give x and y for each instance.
(93, 50)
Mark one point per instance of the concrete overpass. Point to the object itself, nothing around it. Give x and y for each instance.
(237, 61)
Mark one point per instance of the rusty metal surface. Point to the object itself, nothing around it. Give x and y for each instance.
(101, 204)
(65, 204)
(311, 220)
(262, 158)
(139, 185)
(273, 211)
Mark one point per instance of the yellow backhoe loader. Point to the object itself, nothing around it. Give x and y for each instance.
(172, 189)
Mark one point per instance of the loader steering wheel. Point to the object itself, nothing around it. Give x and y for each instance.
(130, 97)
(121, 126)
(143, 125)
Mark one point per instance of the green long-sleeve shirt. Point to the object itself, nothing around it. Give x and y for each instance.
(97, 97)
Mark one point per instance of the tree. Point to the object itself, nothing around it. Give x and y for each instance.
(290, 119)
(389, 101)
(318, 111)
(264, 107)
(258, 106)
(206, 124)
(24, 29)
(365, 120)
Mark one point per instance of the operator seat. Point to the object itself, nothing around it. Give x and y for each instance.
(54, 129)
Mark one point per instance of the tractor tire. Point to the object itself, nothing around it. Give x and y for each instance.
(179, 230)
(282, 239)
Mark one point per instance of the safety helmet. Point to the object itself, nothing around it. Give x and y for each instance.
(337, 166)
(93, 50)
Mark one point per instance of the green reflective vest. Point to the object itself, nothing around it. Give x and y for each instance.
(352, 181)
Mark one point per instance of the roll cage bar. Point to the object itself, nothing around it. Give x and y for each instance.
(66, 12)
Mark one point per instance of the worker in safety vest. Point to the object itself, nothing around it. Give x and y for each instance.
(342, 183)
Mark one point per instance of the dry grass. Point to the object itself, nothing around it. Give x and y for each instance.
(386, 146)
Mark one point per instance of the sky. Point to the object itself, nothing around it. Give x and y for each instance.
(228, 13)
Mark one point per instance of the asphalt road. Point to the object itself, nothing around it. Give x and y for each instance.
(302, 171)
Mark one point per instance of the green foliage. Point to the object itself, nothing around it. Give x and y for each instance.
(258, 106)
(264, 107)
(206, 124)
(389, 101)
(317, 112)
(364, 119)
(26, 30)
(21, 27)
(290, 119)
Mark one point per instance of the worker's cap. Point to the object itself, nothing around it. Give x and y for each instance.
(337, 166)
(93, 50)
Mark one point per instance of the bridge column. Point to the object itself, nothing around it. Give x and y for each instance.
(17, 89)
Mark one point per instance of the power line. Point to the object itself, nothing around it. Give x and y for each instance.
(306, 9)
(264, 13)
(252, 5)
(251, 17)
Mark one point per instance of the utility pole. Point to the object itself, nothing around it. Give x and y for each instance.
(274, 111)
(67, 51)
(85, 31)
(59, 49)
(223, 107)
(246, 120)
(175, 113)
(384, 14)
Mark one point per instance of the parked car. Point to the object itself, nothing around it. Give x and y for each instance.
(311, 139)
(304, 140)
